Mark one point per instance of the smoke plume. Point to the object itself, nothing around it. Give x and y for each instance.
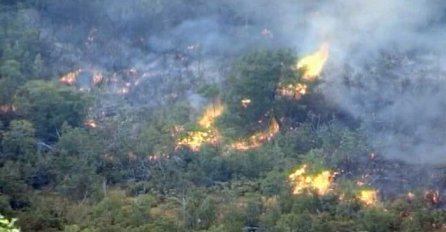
(387, 69)
(386, 64)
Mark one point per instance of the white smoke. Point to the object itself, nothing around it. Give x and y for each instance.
(387, 69)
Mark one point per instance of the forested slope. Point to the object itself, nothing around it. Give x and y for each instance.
(204, 116)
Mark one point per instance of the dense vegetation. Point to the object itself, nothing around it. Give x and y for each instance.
(127, 174)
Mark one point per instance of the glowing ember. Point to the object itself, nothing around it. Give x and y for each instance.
(195, 139)
(319, 182)
(245, 102)
(90, 123)
(258, 139)
(314, 63)
(124, 90)
(158, 157)
(293, 91)
(70, 78)
(368, 197)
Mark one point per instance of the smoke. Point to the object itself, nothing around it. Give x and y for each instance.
(387, 69)
(386, 64)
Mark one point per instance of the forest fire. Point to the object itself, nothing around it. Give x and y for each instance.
(245, 102)
(302, 181)
(258, 139)
(195, 139)
(314, 63)
(368, 197)
(70, 78)
(93, 77)
(90, 123)
(292, 91)
(210, 114)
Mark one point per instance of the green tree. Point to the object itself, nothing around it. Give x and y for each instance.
(48, 105)
(19, 140)
(75, 163)
(199, 211)
(375, 220)
(255, 77)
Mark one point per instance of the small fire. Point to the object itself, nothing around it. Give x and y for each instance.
(158, 157)
(258, 139)
(209, 134)
(302, 181)
(123, 90)
(195, 139)
(368, 197)
(245, 102)
(70, 78)
(90, 123)
(292, 91)
(314, 63)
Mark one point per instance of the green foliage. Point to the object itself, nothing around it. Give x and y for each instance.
(117, 212)
(255, 77)
(75, 164)
(48, 105)
(376, 220)
(274, 183)
(19, 140)
(199, 211)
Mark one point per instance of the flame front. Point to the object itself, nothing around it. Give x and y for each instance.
(368, 197)
(210, 114)
(301, 181)
(195, 139)
(258, 139)
(314, 63)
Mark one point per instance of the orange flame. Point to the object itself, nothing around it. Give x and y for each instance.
(368, 197)
(195, 139)
(210, 115)
(314, 63)
(258, 139)
(70, 78)
(320, 182)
